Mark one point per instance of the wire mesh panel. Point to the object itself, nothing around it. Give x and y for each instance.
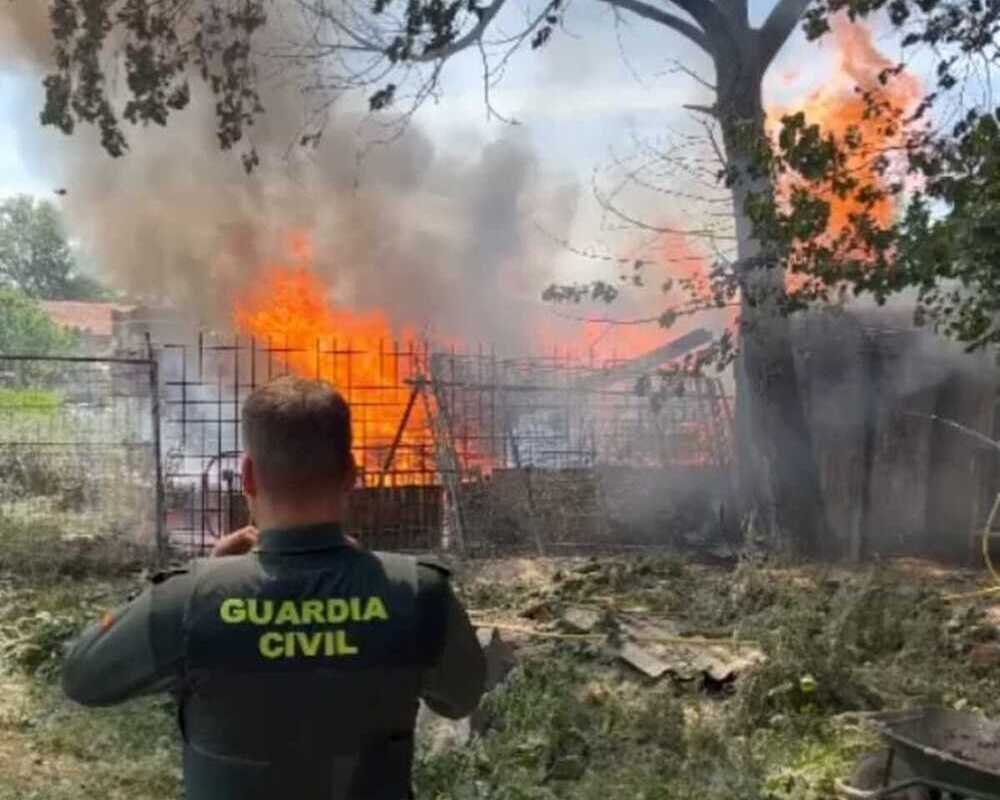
(557, 413)
(77, 449)
(549, 447)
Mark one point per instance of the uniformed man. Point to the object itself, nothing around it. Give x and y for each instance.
(296, 657)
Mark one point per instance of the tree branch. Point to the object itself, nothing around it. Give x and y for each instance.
(736, 9)
(686, 29)
(777, 28)
(680, 67)
(321, 12)
(712, 140)
(713, 20)
(711, 111)
(485, 18)
(608, 205)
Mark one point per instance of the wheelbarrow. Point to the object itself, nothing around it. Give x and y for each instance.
(951, 754)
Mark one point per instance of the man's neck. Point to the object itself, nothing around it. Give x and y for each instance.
(296, 523)
(279, 517)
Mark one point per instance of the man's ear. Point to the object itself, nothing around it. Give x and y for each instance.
(249, 477)
(351, 478)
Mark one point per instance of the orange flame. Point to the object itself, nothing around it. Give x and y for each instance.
(629, 328)
(290, 313)
(291, 317)
(839, 107)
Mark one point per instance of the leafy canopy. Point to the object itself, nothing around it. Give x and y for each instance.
(35, 256)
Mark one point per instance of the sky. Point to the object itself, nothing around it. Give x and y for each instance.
(580, 98)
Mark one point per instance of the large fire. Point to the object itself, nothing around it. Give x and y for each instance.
(294, 323)
(289, 313)
(288, 310)
(838, 107)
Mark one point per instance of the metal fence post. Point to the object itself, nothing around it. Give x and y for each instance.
(161, 513)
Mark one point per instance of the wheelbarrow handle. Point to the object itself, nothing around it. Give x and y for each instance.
(889, 763)
(927, 783)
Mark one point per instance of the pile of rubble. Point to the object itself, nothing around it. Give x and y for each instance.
(762, 651)
(571, 611)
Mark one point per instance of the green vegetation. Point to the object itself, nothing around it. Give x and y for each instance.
(836, 643)
(31, 401)
(49, 749)
(25, 328)
(35, 254)
(52, 751)
(570, 721)
(38, 551)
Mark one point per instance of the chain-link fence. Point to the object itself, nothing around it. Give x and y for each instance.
(78, 454)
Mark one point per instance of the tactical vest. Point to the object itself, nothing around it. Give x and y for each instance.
(302, 675)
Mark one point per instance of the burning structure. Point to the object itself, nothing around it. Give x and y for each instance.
(453, 448)
(486, 451)
(544, 452)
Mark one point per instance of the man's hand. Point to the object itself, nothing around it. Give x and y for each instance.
(245, 539)
(236, 543)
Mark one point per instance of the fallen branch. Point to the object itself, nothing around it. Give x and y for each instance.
(684, 640)
(970, 595)
(533, 632)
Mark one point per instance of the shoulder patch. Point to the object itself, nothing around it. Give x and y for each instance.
(434, 564)
(167, 574)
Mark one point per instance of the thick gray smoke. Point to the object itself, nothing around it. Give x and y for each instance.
(436, 236)
(24, 32)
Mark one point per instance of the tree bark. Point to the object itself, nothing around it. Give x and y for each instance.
(779, 478)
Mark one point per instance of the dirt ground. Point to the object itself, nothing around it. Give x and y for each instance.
(52, 751)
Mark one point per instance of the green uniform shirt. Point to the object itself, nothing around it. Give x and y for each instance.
(297, 668)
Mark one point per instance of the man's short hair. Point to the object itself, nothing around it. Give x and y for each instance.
(298, 433)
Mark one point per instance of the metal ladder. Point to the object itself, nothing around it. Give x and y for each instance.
(444, 455)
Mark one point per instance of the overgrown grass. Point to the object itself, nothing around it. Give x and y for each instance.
(835, 642)
(51, 749)
(38, 617)
(560, 734)
(33, 551)
(30, 401)
(68, 753)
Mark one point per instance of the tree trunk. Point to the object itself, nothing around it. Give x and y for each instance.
(779, 479)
